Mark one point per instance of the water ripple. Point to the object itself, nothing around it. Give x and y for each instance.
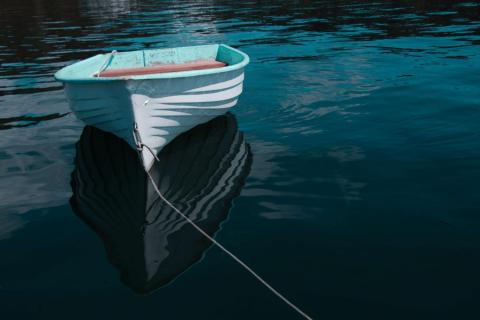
(363, 121)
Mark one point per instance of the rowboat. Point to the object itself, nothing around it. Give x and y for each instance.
(151, 96)
(201, 171)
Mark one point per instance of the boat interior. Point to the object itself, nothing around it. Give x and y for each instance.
(154, 61)
(155, 64)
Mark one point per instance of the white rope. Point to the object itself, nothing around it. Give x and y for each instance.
(105, 64)
(234, 257)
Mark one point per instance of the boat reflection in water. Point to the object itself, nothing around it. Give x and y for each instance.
(200, 172)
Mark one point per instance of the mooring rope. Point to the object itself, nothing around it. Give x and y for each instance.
(105, 63)
(234, 257)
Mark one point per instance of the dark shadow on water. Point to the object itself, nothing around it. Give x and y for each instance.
(27, 121)
(201, 172)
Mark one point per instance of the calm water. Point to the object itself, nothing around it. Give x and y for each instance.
(358, 195)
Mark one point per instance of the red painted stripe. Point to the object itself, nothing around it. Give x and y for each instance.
(163, 68)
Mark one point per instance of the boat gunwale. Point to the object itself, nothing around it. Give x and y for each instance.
(169, 75)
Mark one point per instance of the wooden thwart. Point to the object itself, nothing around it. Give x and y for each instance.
(163, 68)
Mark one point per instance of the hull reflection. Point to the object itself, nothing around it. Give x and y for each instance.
(201, 172)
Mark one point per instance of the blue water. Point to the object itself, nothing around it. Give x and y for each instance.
(362, 196)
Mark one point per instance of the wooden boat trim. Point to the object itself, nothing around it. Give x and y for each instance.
(163, 68)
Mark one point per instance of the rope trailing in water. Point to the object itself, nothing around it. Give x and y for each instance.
(234, 257)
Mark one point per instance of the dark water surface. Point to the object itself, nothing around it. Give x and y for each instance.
(358, 195)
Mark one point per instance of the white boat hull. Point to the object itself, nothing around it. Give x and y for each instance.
(161, 108)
